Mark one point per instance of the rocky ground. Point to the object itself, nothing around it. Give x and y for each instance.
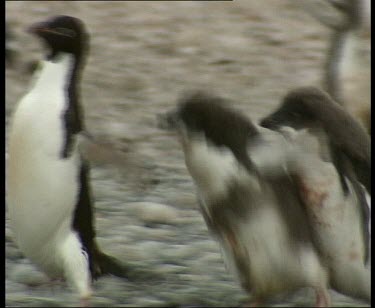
(143, 55)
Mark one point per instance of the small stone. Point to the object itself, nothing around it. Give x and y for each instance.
(13, 253)
(26, 274)
(171, 269)
(185, 252)
(155, 213)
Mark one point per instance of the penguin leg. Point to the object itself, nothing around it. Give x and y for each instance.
(241, 258)
(84, 302)
(322, 297)
(76, 266)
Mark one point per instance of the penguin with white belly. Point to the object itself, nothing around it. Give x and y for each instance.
(258, 221)
(48, 192)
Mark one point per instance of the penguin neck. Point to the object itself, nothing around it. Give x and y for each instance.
(63, 73)
(72, 63)
(63, 70)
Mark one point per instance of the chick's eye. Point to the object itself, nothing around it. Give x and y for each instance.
(65, 32)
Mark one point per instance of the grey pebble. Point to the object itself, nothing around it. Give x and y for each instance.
(171, 269)
(13, 253)
(28, 275)
(150, 212)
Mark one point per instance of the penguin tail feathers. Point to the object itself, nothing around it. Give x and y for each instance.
(107, 265)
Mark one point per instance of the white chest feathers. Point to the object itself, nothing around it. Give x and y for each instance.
(41, 187)
(212, 168)
(38, 121)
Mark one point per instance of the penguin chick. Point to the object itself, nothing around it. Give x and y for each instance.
(338, 212)
(259, 223)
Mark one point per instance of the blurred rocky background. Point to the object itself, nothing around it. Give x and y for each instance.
(143, 55)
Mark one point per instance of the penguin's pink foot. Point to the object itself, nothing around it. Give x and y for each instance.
(322, 298)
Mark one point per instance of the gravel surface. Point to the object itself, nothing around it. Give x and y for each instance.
(143, 55)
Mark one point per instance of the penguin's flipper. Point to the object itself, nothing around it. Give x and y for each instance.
(340, 162)
(366, 215)
(347, 172)
(350, 139)
(348, 168)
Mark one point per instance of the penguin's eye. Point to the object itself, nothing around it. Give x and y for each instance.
(65, 32)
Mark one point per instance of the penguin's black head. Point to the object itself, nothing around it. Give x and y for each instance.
(194, 113)
(301, 108)
(200, 111)
(209, 116)
(62, 34)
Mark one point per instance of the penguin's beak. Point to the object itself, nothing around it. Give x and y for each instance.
(39, 28)
(36, 28)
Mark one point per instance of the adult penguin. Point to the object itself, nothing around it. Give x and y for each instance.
(49, 198)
